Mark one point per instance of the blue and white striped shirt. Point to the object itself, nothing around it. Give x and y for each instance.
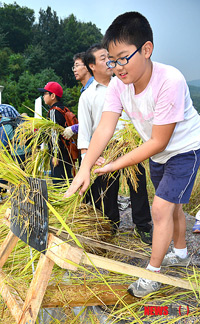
(8, 111)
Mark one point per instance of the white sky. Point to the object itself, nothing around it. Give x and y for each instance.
(175, 24)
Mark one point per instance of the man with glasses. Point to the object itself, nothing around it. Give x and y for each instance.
(84, 75)
(89, 114)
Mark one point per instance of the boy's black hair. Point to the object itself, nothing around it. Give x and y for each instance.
(131, 28)
(58, 99)
(89, 55)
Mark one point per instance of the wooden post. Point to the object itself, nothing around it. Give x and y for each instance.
(36, 290)
(11, 297)
(7, 247)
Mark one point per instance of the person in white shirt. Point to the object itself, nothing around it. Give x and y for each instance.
(84, 75)
(89, 114)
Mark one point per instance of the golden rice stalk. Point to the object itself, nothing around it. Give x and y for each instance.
(123, 141)
(80, 218)
(70, 206)
(36, 131)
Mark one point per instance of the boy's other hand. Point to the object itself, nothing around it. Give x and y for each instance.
(105, 169)
(82, 180)
(100, 161)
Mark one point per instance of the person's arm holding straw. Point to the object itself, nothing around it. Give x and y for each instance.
(160, 137)
(99, 141)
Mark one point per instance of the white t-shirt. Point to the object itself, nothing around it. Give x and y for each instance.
(90, 109)
(165, 100)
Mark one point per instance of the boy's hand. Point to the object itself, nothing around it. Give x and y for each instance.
(105, 169)
(100, 161)
(82, 180)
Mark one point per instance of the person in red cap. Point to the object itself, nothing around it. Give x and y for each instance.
(52, 94)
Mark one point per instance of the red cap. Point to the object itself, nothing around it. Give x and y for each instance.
(53, 87)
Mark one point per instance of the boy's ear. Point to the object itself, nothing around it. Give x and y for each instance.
(53, 96)
(148, 48)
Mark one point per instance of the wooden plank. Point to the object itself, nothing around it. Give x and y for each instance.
(11, 297)
(120, 267)
(100, 244)
(7, 247)
(36, 290)
(93, 243)
(85, 295)
(60, 252)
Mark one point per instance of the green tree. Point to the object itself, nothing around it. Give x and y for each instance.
(71, 98)
(48, 34)
(25, 91)
(78, 37)
(3, 41)
(16, 66)
(35, 58)
(195, 95)
(60, 40)
(4, 62)
(16, 25)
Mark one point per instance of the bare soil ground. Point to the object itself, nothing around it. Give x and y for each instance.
(193, 240)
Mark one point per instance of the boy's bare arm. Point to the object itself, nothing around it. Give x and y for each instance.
(99, 140)
(161, 135)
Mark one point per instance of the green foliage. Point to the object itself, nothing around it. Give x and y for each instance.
(48, 34)
(195, 95)
(71, 98)
(16, 24)
(35, 58)
(4, 61)
(32, 54)
(16, 66)
(3, 41)
(24, 92)
(78, 37)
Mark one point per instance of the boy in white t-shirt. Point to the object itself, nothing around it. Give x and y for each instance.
(157, 100)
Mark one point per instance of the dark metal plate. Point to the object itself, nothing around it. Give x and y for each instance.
(29, 213)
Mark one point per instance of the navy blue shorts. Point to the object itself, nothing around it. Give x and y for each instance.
(174, 180)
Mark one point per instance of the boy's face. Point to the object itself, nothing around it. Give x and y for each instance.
(137, 67)
(80, 70)
(48, 98)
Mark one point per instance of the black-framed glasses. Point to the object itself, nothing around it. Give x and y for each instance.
(122, 60)
(76, 66)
